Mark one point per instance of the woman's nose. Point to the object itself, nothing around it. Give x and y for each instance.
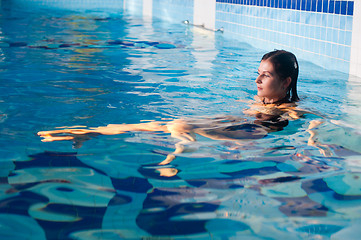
(258, 80)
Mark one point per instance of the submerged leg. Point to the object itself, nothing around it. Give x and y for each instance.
(183, 131)
(312, 140)
(70, 133)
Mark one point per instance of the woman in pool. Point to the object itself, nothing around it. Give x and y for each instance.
(272, 108)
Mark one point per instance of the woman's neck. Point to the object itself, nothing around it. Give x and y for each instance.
(265, 100)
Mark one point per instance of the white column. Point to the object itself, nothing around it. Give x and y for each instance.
(355, 61)
(147, 8)
(206, 52)
(353, 105)
(204, 13)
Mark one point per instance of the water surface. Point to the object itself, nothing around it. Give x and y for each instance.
(91, 69)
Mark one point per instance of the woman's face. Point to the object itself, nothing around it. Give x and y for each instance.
(269, 84)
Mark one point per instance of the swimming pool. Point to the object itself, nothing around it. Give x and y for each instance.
(96, 68)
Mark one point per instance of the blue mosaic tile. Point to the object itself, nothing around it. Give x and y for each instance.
(307, 5)
(329, 20)
(293, 5)
(324, 18)
(317, 33)
(318, 6)
(336, 21)
(348, 38)
(298, 4)
(288, 4)
(350, 8)
(328, 35)
(337, 7)
(313, 6)
(323, 34)
(341, 37)
(343, 22)
(343, 7)
(331, 7)
(335, 33)
(347, 53)
(326, 6)
(349, 22)
(334, 50)
(328, 49)
(317, 45)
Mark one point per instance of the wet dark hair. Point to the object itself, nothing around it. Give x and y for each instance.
(285, 65)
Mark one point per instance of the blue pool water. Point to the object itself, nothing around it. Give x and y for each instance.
(91, 69)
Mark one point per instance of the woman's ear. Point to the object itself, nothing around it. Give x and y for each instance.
(287, 82)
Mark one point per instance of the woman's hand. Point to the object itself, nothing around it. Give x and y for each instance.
(62, 134)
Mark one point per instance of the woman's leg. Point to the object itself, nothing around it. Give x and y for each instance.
(70, 133)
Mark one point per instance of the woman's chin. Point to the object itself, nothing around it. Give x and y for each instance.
(260, 95)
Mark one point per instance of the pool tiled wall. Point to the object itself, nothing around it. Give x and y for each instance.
(320, 30)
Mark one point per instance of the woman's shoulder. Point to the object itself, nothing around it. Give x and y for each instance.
(294, 111)
(286, 109)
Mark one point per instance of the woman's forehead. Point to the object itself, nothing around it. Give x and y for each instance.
(266, 66)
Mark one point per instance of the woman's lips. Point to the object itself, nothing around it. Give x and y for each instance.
(258, 88)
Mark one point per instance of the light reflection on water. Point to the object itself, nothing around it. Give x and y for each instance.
(92, 71)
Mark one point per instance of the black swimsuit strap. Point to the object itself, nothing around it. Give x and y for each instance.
(279, 102)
